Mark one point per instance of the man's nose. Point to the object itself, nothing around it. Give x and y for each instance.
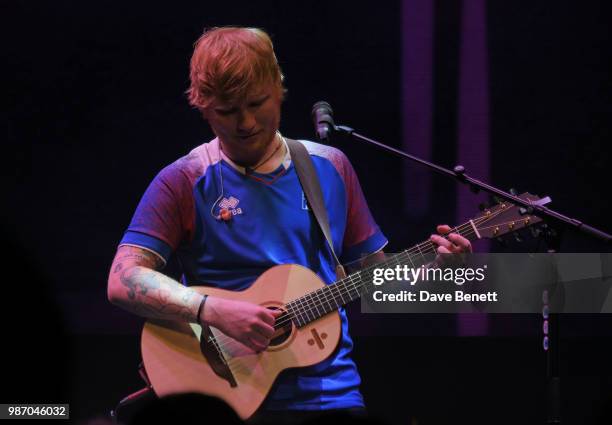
(246, 121)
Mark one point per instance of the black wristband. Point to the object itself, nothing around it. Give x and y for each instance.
(200, 308)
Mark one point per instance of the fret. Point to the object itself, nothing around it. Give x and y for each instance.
(301, 320)
(342, 290)
(346, 289)
(324, 302)
(298, 317)
(421, 252)
(316, 302)
(338, 303)
(341, 297)
(303, 310)
(320, 306)
(328, 295)
(412, 263)
(304, 305)
(307, 307)
(333, 303)
(356, 283)
(367, 280)
(431, 247)
(355, 278)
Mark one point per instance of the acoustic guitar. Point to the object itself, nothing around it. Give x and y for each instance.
(181, 357)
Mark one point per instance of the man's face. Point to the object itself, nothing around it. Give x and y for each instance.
(246, 128)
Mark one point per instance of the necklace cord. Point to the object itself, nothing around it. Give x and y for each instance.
(251, 169)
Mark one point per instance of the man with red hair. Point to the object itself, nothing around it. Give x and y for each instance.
(234, 207)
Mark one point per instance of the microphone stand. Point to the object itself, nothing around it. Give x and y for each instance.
(458, 173)
(551, 338)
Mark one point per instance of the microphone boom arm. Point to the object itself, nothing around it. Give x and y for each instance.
(458, 173)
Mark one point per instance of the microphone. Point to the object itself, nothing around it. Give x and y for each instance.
(224, 215)
(322, 117)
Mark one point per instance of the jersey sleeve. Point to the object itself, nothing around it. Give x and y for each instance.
(362, 235)
(162, 218)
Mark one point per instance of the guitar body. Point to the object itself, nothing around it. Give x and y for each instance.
(175, 361)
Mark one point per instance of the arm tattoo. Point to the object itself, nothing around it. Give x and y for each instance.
(139, 257)
(156, 295)
(151, 293)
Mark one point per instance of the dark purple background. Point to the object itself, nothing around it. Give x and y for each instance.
(518, 92)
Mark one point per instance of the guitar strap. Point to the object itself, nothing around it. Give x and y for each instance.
(312, 190)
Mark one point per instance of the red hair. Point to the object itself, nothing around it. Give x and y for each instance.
(227, 62)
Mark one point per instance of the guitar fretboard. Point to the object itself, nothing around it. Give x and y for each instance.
(329, 298)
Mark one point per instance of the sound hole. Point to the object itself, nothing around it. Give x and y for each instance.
(282, 328)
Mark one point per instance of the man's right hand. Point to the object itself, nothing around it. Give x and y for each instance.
(250, 324)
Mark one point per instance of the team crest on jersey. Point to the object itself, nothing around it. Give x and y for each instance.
(230, 204)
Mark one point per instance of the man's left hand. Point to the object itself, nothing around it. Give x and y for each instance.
(455, 244)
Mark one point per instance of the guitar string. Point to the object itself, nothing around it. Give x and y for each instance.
(226, 342)
(400, 258)
(310, 297)
(305, 303)
(236, 360)
(309, 307)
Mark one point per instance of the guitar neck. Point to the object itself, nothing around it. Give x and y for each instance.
(329, 298)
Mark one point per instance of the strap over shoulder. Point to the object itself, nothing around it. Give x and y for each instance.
(312, 190)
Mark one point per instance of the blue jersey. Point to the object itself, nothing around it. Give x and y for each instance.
(270, 225)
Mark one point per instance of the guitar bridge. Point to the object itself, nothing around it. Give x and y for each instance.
(212, 353)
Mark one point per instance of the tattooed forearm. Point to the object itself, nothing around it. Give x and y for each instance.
(153, 294)
(137, 278)
(138, 288)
